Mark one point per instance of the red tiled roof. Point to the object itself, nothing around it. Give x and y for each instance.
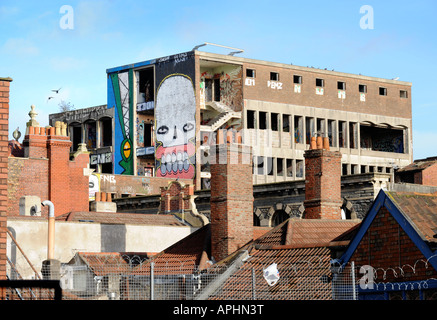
(421, 210)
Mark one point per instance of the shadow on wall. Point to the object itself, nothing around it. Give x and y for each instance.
(113, 237)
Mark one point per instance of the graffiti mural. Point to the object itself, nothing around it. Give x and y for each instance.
(175, 127)
(120, 97)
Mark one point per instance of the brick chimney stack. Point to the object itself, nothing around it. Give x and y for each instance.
(322, 181)
(231, 198)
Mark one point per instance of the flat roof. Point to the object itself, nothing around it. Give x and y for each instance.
(240, 60)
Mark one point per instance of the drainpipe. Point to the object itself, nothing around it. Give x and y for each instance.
(51, 231)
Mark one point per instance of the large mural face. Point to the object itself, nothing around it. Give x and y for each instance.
(175, 127)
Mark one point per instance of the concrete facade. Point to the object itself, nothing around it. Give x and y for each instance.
(275, 108)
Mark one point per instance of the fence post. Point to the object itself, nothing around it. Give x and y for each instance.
(253, 284)
(354, 293)
(152, 280)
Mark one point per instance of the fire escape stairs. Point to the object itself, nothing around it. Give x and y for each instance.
(225, 114)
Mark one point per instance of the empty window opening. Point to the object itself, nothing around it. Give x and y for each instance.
(256, 221)
(91, 134)
(208, 89)
(274, 76)
(217, 90)
(299, 168)
(77, 136)
(382, 139)
(353, 135)
(106, 167)
(260, 165)
(289, 164)
(285, 123)
(362, 88)
(403, 94)
(250, 73)
(269, 166)
(320, 82)
(145, 85)
(363, 169)
(344, 169)
(297, 79)
(341, 85)
(309, 129)
(279, 166)
(354, 169)
(274, 117)
(321, 127)
(251, 121)
(342, 134)
(263, 120)
(298, 129)
(382, 91)
(106, 132)
(148, 134)
(332, 133)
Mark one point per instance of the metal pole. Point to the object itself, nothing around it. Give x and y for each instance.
(354, 293)
(152, 280)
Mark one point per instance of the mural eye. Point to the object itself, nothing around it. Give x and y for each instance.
(162, 130)
(188, 127)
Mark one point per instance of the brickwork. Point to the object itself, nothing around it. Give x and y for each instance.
(429, 176)
(385, 245)
(4, 127)
(47, 172)
(176, 197)
(322, 184)
(231, 200)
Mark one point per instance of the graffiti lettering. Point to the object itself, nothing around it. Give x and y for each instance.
(274, 85)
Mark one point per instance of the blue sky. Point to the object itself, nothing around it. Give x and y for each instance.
(40, 55)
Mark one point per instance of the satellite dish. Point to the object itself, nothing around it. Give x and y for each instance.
(271, 274)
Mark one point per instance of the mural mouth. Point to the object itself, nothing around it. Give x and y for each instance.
(175, 162)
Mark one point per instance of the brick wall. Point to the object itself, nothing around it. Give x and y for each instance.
(322, 184)
(231, 200)
(4, 127)
(47, 172)
(385, 245)
(429, 176)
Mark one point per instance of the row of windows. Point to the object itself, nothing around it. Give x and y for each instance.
(294, 168)
(320, 83)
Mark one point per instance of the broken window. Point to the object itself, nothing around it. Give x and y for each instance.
(90, 134)
(208, 89)
(263, 120)
(321, 126)
(274, 76)
(362, 88)
(320, 82)
(76, 132)
(274, 121)
(250, 73)
(403, 94)
(251, 121)
(285, 123)
(382, 91)
(382, 139)
(298, 129)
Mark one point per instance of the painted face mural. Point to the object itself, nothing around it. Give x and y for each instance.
(175, 128)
